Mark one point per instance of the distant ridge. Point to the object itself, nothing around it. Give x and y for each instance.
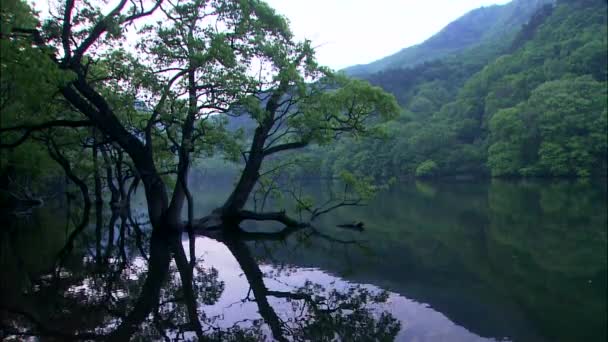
(475, 27)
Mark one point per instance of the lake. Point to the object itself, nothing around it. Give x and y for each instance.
(436, 261)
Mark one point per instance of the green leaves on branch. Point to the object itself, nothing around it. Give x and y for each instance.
(427, 169)
(362, 186)
(352, 108)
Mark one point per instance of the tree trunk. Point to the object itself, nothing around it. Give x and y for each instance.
(120, 179)
(156, 195)
(98, 202)
(82, 96)
(249, 176)
(132, 188)
(111, 238)
(98, 195)
(251, 173)
(110, 179)
(181, 192)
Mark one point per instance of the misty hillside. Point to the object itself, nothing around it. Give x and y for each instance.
(531, 105)
(498, 22)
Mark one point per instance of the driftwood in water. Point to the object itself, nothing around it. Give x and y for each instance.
(354, 226)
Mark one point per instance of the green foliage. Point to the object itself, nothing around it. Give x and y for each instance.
(15, 13)
(504, 155)
(362, 186)
(559, 131)
(28, 85)
(531, 104)
(28, 78)
(571, 125)
(349, 108)
(426, 169)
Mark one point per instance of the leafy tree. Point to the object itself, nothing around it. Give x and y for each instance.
(426, 169)
(572, 123)
(28, 84)
(201, 62)
(505, 154)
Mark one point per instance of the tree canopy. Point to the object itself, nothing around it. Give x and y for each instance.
(151, 86)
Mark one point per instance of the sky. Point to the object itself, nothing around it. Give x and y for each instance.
(349, 32)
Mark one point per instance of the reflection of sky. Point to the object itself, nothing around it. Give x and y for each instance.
(419, 322)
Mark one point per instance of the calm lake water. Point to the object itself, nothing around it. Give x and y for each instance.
(443, 261)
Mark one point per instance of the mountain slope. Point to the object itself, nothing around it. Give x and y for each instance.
(534, 105)
(474, 28)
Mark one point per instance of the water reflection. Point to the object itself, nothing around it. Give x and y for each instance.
(160, 294)
(419, 322)
(461, 262)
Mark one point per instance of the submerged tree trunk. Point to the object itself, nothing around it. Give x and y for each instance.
(82, 96)
(67, 168)
(111, 229)
(120, 179)
(98, 201)
(115, 195)
(132, 189)
(96, 176)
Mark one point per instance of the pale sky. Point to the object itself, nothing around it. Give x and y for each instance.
(349, 32)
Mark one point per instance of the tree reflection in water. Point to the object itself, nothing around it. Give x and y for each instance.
(131, 284)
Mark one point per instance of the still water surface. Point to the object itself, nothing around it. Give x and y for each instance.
(464, 261)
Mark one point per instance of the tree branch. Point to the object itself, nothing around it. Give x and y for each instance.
(318, 212)
(102, 26)
(37, 37)
(29, 129)
(96, 108)
(96, 32)
(49, 124)
(66, 33)
(157, 108)
(284, 147)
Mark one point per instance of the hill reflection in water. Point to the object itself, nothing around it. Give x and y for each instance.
(471, 261)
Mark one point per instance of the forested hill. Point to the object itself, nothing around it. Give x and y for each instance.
(532, 105)
(485, 24)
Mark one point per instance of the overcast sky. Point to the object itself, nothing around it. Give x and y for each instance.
(349, 32)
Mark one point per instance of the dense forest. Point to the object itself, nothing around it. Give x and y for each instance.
(528, 101)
